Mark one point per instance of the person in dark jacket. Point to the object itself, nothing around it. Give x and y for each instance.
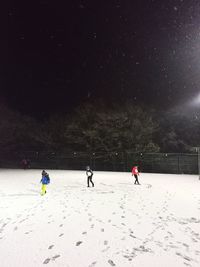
(24, 163)
(45, 181)
(89, 174)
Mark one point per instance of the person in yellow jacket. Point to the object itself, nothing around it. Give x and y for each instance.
(45, 181)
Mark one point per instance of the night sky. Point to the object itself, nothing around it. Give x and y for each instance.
(57, 54)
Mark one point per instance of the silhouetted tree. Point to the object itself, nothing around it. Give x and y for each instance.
(117, 128)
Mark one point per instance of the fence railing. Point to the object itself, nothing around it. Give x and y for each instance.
(109, 161)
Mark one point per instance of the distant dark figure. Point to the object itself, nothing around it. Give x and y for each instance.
(89, 174)
(135, 172)
(28, 163)
(24, 164)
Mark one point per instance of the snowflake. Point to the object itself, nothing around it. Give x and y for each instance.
(81, 6)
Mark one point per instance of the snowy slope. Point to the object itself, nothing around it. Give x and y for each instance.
(116, 223)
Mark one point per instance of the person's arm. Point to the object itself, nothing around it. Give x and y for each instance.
(41, 179)
(132, 172)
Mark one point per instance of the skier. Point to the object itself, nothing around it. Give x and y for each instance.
(45, 180)
(89, 174)
(135, 172)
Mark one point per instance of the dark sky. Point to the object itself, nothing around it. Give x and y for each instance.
(57, 54)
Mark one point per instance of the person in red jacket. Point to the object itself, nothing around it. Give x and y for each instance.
(135, 172)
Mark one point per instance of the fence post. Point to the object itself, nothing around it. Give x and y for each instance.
(123, 160)
(178, 165)
(92, 160)
(199, 162)
(126, 158)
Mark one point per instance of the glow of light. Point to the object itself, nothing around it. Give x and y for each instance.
(196, 100)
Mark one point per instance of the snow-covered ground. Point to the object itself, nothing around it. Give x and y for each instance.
(116, 223)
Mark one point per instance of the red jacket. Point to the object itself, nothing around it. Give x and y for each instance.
(135, 171)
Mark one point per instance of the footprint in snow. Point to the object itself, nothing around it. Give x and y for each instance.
(47, 261)
(106, 249)
(92, 264)
(111, 263)
(78, 243)
(55, 257)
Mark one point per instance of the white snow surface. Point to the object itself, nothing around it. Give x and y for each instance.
(116, 223)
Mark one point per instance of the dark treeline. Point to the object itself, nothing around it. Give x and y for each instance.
(100, 127)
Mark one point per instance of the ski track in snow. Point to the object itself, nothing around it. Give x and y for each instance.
(116, 223)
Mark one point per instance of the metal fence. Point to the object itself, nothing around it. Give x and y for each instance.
(110, 161)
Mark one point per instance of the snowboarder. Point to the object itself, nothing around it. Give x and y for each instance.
(89, 174)
(45, 181)
(135, 172)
